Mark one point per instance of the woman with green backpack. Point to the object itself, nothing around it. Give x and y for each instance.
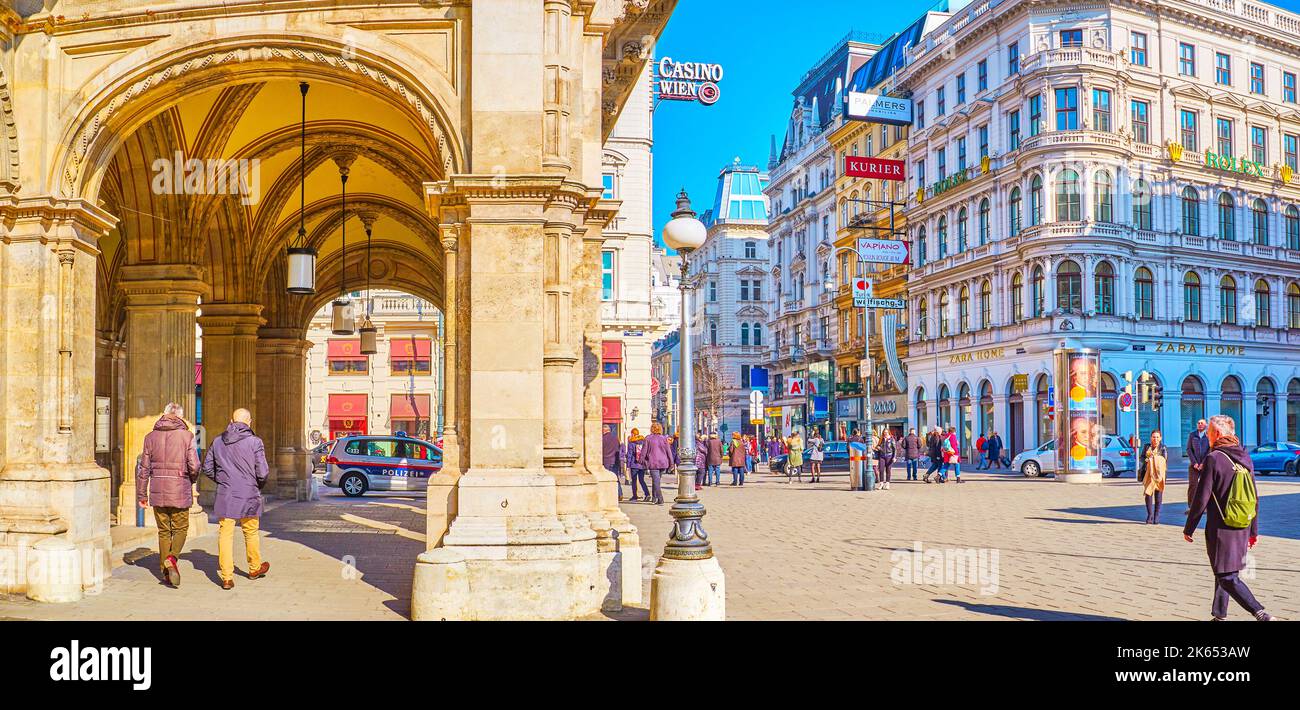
(1225, 495)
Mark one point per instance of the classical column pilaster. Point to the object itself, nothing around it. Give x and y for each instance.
(281, 410)
(442, 500)
(230, 373)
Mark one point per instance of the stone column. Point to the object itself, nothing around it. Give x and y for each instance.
(281, 416)
(49, 482)
(162, 301)
(442, 502)
(229, 372)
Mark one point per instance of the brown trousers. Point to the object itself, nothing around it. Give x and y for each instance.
(173, 526)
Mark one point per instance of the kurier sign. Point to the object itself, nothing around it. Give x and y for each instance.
(689, 81)
(875, 108)
(875, 168)
(883, 251)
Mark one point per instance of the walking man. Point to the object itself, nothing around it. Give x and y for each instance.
(912, 453)
(981, 446)
(1198, 448)
(713, 459)
(611, 456)
(164, 478)
(1226, 546)
(237, 462)
(933, 449)
(994, 446)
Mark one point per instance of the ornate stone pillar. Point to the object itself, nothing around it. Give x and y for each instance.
(162, 301)
(281, 416)
(49, 482)
(229, 372)
(442, 502)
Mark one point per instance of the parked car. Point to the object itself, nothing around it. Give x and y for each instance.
(1280, 456)
(837, 458)
(357, 464)
(1117, 457)
(318, 455)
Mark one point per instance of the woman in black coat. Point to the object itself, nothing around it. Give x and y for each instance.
(1227, 547)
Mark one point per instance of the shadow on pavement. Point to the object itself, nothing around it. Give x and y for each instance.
(1025, 613)
(1277, 513)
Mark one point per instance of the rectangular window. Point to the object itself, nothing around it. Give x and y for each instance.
(1071, 38)
(920, 113)
(982, 75)
(611, 358)
(1289, 151)
(940, 104)
(1138, 51)
(607, 180)
(1013, 120)
(1141, 121)
(348, 367)
(744, 289)
(1187, 129)
(1222, 69)
(1256, 78)
(410, 356)
(941, 157)
(920, 174)
(345, 357)
(961, 88)
(607, 275)
(1035, 113)
(713, 292)
(1288, 87)
(1224, 136)
(1101, 110)
(961, 154)
(1258, 141)
(1067, 109)
(984, 141)
(744, 375)
(1186, 59)
(1013, 58)
(756, 291)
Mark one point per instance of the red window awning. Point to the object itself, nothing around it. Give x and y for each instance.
(408, 349)
(400, 407)
(611, 351)
(347, 406)
(611, 409)
(344, 350)
(198, 372)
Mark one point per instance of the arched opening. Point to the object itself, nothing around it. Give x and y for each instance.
(986, 409)
(1109, 412)
(922, 410)
(1230, 402)
(945, 407)
(1293, 409)
(1192, 405)
(965, 408)
(1266, 405)
(1043, 400)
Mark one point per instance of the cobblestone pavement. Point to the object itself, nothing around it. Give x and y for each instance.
(790, 551)
(804, 551)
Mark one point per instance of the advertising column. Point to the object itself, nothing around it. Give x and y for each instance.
(1078, 416)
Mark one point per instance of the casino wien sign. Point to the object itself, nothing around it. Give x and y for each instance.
(689, 81)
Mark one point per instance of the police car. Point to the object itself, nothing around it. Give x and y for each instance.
(357, 464)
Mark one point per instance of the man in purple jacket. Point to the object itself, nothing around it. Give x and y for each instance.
(164, 478)
(237, 462)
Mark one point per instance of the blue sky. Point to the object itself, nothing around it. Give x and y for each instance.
(765, 47)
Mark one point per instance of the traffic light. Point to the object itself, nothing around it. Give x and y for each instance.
(1156, 396)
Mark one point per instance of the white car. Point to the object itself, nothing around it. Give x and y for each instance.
(1116, 458)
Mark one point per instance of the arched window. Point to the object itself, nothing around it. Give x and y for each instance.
(1017, 298)
(744, 334)
(945, 407)
(923, 318)
(1068, 208)
(943, 236)
(1192, 297)
(984, 221)
(1036, 294)
(1292, 228)
(1266, 405)
(1109, 420)
(1263, 307)
(963, 310)
(1103, 208)
(1228, 300)
(1293, 410)
(1259, 221)
(922, 415)
(844, 212)
(1227, 217)
(854, 204)
(1041, 399)
(1191, 212)
(1141, 205)
(1191, 405)
(1013, 210)
(921, 247)
(1293, 306)
(1230, 400)
(986, 303)
(943, 313)
(1144, 293)
(1104, 286)
(1035, 201)
(1069, 287)
(713, 333)
(961, 230)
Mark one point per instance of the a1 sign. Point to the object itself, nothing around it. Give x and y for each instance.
(861, 292)
(875, 168)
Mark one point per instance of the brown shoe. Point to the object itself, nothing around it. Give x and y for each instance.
(173, 574)
(260, 571)
(227, 584)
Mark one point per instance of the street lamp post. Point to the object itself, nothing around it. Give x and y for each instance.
(688, 584)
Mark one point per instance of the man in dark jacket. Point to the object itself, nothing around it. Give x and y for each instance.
(1198, 448)
(912, 454)
(934, 449)
(237, 462)
(1227, 547)
(713, 459)
(994, 446)
(164, 478)
(612, 456)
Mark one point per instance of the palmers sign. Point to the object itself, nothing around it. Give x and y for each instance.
(689, 81)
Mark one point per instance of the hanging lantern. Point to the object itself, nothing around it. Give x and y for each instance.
(302, 258)
(344, 321)
(369, 337)
(302, 270)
